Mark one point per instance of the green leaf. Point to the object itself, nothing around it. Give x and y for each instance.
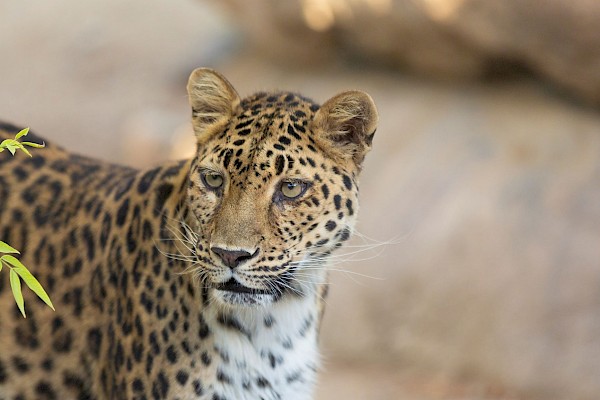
(25, 150)
(34, 285)
(22, 133)
(15, 285)
(13, 145)
(5, 248)
(9, 142)
(12, 261)
(29, 279)
(36, 145)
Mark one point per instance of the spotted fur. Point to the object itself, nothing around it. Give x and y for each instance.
(199, 279)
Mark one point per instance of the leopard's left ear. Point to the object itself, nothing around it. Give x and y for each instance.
(346, 124)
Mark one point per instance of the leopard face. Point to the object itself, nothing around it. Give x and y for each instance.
(273, 187)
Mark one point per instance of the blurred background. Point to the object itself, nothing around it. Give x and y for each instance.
(480, 278)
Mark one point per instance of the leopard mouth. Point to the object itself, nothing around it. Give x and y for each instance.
(232, 285)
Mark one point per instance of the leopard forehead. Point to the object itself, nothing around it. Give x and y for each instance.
(268, 137)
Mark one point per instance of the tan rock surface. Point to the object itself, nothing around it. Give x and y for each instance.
(555, 39)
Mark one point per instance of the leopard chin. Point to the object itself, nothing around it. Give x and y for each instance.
(243, 298)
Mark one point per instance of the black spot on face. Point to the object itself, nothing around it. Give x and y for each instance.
(205, 357)
(227, 157)
(292, 131)
(244, 124)
(330, 225)
(182, 377)
(322, 242)
(337, 200)
(325, 191)
(345, 235)
(198, 389)
(349, 207)
(347, 182)
(279, 164)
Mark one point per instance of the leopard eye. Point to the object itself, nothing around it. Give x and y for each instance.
(212, 180)
(292, 189)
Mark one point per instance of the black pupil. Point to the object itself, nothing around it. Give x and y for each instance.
(213, 179)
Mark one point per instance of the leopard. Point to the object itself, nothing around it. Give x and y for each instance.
(203, 278)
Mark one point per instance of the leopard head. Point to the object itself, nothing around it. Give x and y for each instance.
(273, 187)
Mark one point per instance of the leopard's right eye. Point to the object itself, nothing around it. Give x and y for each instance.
(212, 180)
(292, 189)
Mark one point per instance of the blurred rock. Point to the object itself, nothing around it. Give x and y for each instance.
(491, 200)
(74, 68)
(152, 135)
(448, 39)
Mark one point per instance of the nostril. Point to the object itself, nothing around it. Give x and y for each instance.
(232, 258)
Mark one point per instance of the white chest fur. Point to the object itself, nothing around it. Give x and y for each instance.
(265, 353)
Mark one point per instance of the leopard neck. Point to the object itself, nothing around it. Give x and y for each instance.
(268, 352)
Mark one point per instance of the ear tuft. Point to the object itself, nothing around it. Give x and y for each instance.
(211, 97)
(346, 124)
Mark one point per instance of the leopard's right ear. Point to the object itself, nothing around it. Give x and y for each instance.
(212, 98)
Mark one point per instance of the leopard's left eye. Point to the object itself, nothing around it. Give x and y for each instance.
(292, 189)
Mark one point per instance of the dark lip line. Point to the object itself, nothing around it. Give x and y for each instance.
(232, 285)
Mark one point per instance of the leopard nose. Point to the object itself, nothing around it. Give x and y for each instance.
(233, 258)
